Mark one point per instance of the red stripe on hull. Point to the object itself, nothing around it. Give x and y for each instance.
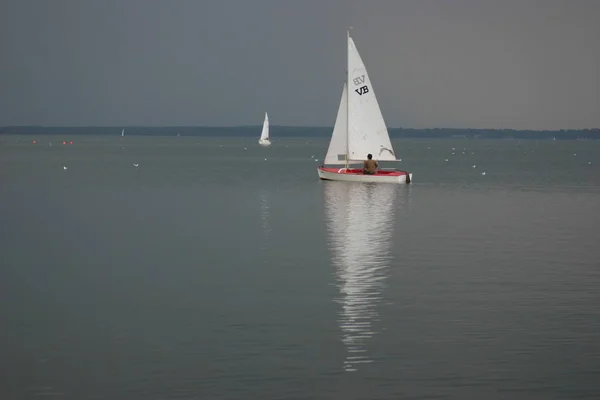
(357, 171)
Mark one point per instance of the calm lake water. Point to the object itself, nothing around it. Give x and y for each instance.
(218, 269)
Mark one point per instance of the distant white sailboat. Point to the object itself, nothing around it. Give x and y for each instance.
(359, 130)
(123, 133)
(264, 135)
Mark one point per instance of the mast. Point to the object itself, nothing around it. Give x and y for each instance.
(348, 95)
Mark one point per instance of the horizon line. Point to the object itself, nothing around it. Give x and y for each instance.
(279, 126)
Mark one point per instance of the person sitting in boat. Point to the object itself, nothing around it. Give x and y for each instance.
(370, 166)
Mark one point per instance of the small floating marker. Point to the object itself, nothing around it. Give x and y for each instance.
(446, 160)
(574, 154)
(136, 165)
(71, 142)
(589, 162)
(33, 141)
(64, 142)
(64, 167)
(474, 166)
(483, 173)
(453, 148)
(316, 160)
(245, 148)
(265, 159)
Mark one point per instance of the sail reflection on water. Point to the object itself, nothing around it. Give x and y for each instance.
(360, 223)
(264, 217)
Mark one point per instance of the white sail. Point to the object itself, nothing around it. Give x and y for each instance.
(123, 132)
(360, 223)
(264, 135)
(338, 146)
(367, 132)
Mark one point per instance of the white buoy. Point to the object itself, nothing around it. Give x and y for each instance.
(64, 167)
(474, 166)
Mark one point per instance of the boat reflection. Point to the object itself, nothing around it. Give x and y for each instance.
(360, 223)
(264, 217)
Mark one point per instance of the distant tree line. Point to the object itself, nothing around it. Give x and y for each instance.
(300, 131)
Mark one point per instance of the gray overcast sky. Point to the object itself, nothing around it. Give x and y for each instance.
(522, 64)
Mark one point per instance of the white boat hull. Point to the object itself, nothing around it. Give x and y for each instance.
(354, 175)
(264, 142)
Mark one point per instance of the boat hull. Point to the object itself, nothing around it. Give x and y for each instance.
(356, 175)
(264, 142)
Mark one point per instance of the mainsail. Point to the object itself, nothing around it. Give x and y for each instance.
(359, 127)
(264, 135)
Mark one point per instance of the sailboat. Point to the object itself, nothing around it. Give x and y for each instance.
(361, 260)
(359, 130)
(264, 135)
(123, 133)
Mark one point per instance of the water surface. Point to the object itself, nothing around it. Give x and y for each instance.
(220, 269)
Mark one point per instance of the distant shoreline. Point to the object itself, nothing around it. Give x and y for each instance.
(301, 131)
